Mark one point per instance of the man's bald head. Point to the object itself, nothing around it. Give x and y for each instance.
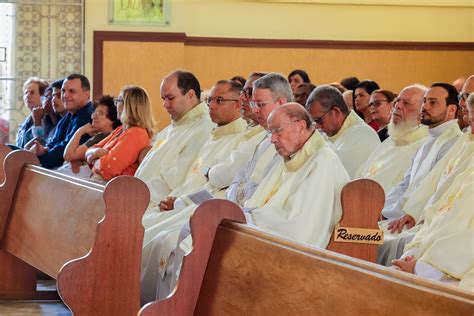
(291, 126)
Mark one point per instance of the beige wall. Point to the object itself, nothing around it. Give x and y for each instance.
(261, 19)
(146, 63)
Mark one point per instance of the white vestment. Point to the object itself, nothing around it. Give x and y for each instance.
(176, 147)
(249, 177)
(389, 161)
(428, 192)
(162, 228)
(354, 142)
(444, 245)
(440, 139)
(300, 199)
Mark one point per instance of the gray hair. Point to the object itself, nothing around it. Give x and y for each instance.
(296, 112)
(277, 84)
(328, 97)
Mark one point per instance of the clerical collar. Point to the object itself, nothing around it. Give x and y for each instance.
(350, 120)
(312, 145)
(438, 130)
(195, 113)
(236, 126)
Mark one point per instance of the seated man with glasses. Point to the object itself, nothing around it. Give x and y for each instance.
(391, 159)
(162, 228)
(299, 198)
(269, 92)
(350, 137)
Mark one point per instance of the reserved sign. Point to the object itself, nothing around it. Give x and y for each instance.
(358, 235)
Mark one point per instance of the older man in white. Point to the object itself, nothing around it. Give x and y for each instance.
(442, 249)
(160, 227)
(176, 147)
(269, 92)
(405, 203)
(299, 199)
(391, 159)
(350, 137)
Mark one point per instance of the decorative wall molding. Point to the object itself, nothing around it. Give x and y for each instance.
(106, 36)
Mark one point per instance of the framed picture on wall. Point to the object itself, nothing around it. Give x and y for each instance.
(140, 12)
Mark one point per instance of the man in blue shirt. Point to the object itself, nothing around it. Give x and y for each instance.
(75, 94)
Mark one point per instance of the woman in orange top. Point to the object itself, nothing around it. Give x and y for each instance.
(117, 154)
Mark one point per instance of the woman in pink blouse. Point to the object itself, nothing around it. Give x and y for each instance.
(118, 153)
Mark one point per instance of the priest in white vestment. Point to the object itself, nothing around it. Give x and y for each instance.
(443, 248)
(411, 196)
(169, 216)
(350, 137)
(177, 146)
(299, 199)
(389, 161)
(269, 92)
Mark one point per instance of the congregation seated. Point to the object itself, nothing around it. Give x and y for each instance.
(392, 157)
(302, 93)
(104, 120)
(75, 94)
(380, 106)
(297, 77)
(350, 137)
(118, 153)
(33, 89)
(362, 92)
(404, 203)
(441, 250)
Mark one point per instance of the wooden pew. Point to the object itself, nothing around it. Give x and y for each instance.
(4, 151)
(236, 270)
(85, 235)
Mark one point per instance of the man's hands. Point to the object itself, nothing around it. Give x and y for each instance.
(406, 264)
(397, 225)
(167, 204)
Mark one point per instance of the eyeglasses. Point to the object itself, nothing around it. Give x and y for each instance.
(247, 93)
(44, 98)
(98, 114)
(258, 104)
(377, 103)
(278, 130)
(319, 120)
(218, 100)
(463, 96)
(117, 102)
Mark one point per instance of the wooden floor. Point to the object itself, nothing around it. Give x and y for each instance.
(20, 308)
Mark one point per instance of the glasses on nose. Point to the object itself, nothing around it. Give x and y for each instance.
(278, 130)
(319, 120)
(463, 96)
(218, 100)
(247, 93)
(117, 102)
(377, 103)
(258, 104)
(98, 114)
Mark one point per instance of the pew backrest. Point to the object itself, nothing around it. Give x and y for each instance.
(86, 235)
(249, 272)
